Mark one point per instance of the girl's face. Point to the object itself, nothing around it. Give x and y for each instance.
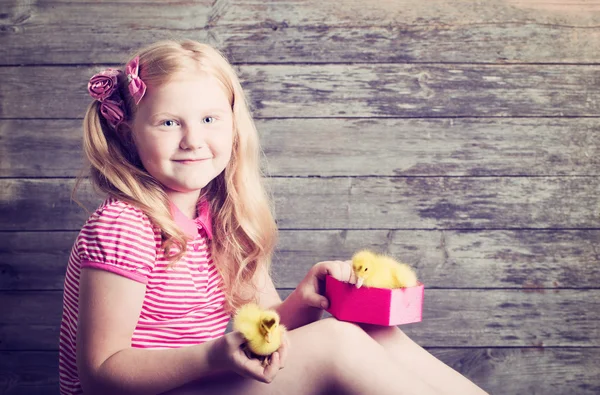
(183, 131)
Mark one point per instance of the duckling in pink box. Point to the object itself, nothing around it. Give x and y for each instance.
(386, 292)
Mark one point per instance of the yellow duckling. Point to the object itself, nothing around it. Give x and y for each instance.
(261, 329)
(380, 271)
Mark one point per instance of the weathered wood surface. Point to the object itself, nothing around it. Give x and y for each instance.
(532, 260)
(368, 90)
(458, 136)
(307, 31)
(356, 203)
(29, 373)
(451, 318)
(528, 371)
(503, 370)
(355, 147)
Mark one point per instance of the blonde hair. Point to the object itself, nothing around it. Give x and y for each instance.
(244, 231)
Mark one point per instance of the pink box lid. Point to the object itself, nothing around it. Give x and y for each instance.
(374, 305)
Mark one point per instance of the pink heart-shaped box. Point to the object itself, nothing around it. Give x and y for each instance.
(374, 305)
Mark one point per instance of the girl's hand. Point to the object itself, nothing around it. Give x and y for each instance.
(228, 354)
(312, 287)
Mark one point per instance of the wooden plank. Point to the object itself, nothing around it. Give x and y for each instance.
(403, 147)
(535, 370)
(29, 373)
(307, 31)
(431, 147)
(451, 318)
(41, 148)
(307, 12)
(34, 260)
(497, 370)
(532, 260)
(432, 202)
(29, 337)
(378, 90)
(356, 203)
(386, 12)
(15, 204)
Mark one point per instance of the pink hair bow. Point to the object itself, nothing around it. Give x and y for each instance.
(136, 86)
(104, 88)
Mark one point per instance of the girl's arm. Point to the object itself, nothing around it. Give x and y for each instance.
(294, 311)
(306, 303)
(109, 308)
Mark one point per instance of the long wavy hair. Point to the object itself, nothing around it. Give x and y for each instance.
(244, 230)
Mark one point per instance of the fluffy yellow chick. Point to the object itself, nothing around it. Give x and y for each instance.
(261, 329)
(379, 271)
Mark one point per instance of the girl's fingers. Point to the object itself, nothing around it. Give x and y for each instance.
(273, 367)
(346, 271)
(313, 298)
(283, 352)
(325, 268)
(252, 368)
(239, 339)
(350, 273)
(340, 270)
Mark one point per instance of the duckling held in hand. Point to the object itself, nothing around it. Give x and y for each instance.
(261, 329)
(380, 271)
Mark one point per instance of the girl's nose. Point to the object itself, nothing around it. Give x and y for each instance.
(193, 138)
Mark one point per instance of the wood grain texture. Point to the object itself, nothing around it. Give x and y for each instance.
(531, 260)
(433, 202)
(355, 147)
(29, 373)
(527, 371)
(497, 370)
(536, 261)
(458, 136)
(367, 90)
(307, 31)
(356, 203)
(451, 318)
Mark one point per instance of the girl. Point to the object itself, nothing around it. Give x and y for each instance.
(185, 237)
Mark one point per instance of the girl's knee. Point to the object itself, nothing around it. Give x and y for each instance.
(384, 334)
(345, 341)
(341, 333)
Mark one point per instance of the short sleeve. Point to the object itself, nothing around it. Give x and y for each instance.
(119, 238)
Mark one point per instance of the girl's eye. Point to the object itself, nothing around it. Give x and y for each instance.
(208, 119)
(168, 122)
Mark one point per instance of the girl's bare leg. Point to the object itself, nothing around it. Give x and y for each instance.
(413, 357)
(325, 357)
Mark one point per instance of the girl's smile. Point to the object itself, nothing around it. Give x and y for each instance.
(190, 161)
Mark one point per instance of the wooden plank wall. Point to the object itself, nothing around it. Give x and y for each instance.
(460, 136)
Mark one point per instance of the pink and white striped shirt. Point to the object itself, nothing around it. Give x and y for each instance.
(182, 306)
